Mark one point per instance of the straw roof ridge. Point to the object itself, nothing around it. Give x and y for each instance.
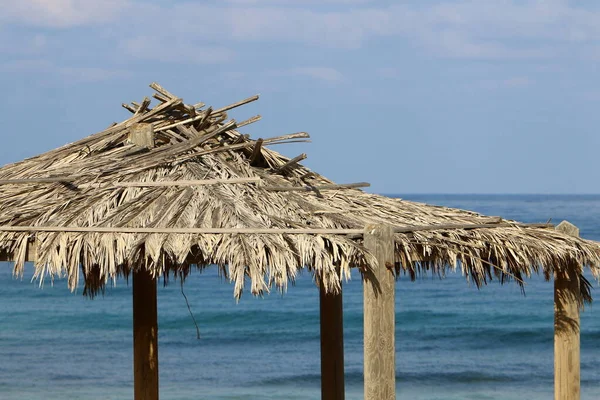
(209, 175)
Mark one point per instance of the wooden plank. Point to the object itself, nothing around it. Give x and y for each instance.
(379, 316)
(145, 336)
(249, 121)
(184, 122)
(199, 182)
(256, 157)
(162, 90)
(284, 231)
(129, 108)
(291, 162)
(121, 229)
(270, 141)
(142, 135)
(567, 299)
(332, 345)
(319, 187)
(143, 107)
(234, 105)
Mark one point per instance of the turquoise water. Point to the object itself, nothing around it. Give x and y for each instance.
(453, 341)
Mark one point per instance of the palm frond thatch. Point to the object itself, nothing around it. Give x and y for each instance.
(98, 182)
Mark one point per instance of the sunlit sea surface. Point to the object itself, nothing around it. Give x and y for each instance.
(453, 340)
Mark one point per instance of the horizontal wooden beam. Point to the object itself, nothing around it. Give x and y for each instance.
(199, 182)
(172, 183)
(316, 188)
(116, 229)
(267, 231)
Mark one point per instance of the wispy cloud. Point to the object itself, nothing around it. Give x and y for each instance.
(175, 49)
(518, 81)
(322, 73)
(299, 2)
(91, 74)
(46, 68)
(388, 72)
(325, 74)
(60, 13)
(205, 32)
(514, 82)
(457, 29)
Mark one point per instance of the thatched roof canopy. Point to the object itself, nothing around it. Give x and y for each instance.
(201, 193)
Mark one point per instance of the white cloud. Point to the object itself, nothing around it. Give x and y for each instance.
(203, 32)
(325, 74)
(46, 69)
(388, 72)
(460, 29)
(91, 74)
(60, 13)
(517, 81)
(514, 82)
(26, 65)
(175, 49)
(321, 73)
(298, 2)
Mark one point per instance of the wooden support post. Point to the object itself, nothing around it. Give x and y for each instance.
(332, 345)
(145, 336)
(566, 327)
(379, 316)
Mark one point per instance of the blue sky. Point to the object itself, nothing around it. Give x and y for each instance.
(412, 96)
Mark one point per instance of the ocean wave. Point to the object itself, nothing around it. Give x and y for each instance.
(445, 377)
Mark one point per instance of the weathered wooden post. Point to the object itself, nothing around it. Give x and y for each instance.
(379, 316)
(145, 316)
(566, 327)
(145, 337)
(332, 345)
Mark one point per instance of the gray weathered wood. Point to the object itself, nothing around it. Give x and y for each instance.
(292, 162)
(379, 316)
(281, 231)
(332, 345)
(145, 336)
(319, 187)
(239, 103)
(249, 121)
(142, 135)
(142, 108)
(123, 229)
(162, 90)
(200, 182)
(199, 117)
(566, 326)
(256, 155)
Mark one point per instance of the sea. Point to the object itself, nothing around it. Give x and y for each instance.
(453, 341)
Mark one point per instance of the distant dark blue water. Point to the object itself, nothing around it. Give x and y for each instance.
(453, 341)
